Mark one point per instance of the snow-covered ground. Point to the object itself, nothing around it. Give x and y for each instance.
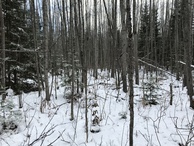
(155, 125)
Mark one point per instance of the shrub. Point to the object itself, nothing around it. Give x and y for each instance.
(9, 117)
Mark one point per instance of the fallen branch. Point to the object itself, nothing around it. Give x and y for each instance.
(181, 62)
(156, 67)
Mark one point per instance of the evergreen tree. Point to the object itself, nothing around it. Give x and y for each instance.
(157, 35)
(175, 37)
(143, 31)
(18, 39)
(145, 34)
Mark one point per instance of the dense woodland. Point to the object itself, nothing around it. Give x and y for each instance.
(71, 37)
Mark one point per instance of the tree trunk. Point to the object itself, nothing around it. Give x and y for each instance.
(50, 36)
(130, 74)
(33, 17)
(84, 59)
(123, 45)
(20, 100)
(114, 37)
(135, 43)
(95, 41)
(2, 42)
(187, 48)
(151, 33)
(72, 57)
(176, 41)
(45, 29)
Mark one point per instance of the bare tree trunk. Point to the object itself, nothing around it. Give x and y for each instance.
(45, 29)
(124, 45)
(118, 62)
(86, 102)
(2, 42)
(72, 55)
(33, 17)
(95, 40)
(155, 59)
(114, 37)
(161, 59)
(100, 36)
(78, 29)
(167, 19)
(50, 37)
(151, 32)
(84, 65)
(135, 43)
(64, 32)
(171, 94)
(176, 41)
(189, 52)
(20, 101)
(82, 41)
(187, 48)
(130, 74)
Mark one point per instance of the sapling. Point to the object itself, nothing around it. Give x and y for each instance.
(95, 121)
(150, 88)
(9, 117)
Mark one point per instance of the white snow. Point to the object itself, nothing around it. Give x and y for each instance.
(155, 125)
(9, 92)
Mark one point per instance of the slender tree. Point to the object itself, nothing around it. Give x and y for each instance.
(2, 42)
(84, 59)
(176, 41)
(46, 65)
(72, 37)
(135, 42)
(34, 27)
(124, 43)
(95, 40)
(130, 73)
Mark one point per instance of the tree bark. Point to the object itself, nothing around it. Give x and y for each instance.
(124, 45)
(135, 43)
(95, 41)
(72, 58)
(33, 17)
(130, 74)
(2, 41)
(176, 41)
(45, 29)
(151, 33)
(187, 48)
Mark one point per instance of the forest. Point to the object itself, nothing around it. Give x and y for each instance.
(73, 72)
